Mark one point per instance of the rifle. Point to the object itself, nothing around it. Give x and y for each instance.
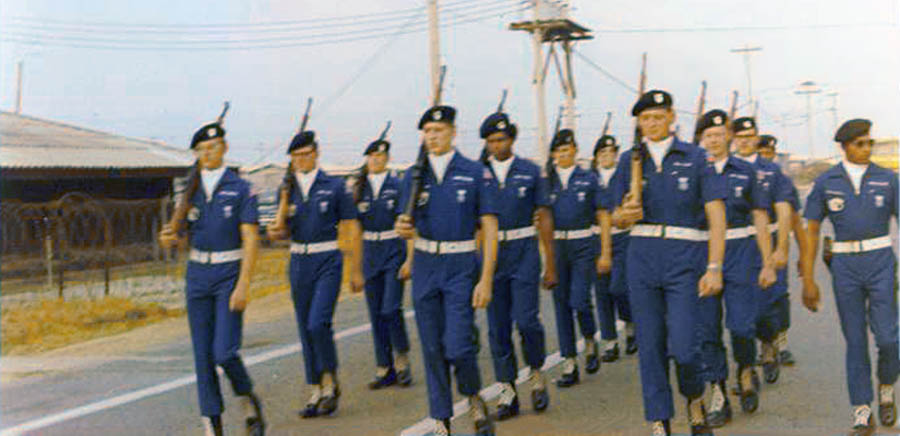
(289, 182)
(637, 161)
(549, 168)
(734, 102)
(485, 154)
(193, 183)
(363, 174)
(701, 104)
(606, 124)
(421, 166)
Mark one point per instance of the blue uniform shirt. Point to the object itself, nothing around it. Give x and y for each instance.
(744, 193)
(449, 211)
(214, 225)
(854, 216)
(676, 195)
(522, 192)
(315, 219)
(379, 214)
(575, 207)
(775, 185)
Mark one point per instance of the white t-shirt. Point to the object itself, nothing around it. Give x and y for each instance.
(376, 181)
(856, 172)
(501, 168)
(439, 163)
(658, 150)
(306, 180)
(564, 175)
(606, 174)
(211, 179)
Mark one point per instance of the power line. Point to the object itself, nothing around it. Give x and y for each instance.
(251, 28)
(603, 71)
(739, 28)
(235, 25)
(242, 45)
(227, 40)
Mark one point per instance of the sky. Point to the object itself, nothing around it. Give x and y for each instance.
(161, 69)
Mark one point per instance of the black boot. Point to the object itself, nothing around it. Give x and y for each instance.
(719, 412)
(508, 405)
(256, 424)
(569, 379)
(484, 425)
(388, 379)
(330, 400)
(213, 424)
(611, 354)
(887, 408)
(697, 418)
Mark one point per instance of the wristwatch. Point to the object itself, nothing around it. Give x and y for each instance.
(714, 267)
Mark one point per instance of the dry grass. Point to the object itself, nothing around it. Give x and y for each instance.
(55, 323)
(50, 324)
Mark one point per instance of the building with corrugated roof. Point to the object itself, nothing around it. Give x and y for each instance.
(41, 160)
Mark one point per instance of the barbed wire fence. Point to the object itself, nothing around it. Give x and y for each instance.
(80, 246)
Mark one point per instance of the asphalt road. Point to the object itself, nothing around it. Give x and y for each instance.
(140, 383)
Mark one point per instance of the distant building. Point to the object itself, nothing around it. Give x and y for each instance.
(111, 179)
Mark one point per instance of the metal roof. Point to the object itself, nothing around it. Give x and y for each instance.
(28, 142)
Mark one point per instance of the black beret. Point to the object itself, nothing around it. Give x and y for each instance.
(378, 145)
(563, 137)
(651, 100)
(302, 139)
(713, 118)
(743, 123)
(605, 141)
(207, 132)
(498, 122)
(444, 114)
(852, 129)
(767, 141)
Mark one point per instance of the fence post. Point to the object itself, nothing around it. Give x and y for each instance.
(48, 259)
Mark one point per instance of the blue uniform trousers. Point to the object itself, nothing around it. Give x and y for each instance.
(442, 297)
(515, 299)
(215, 332)
(384, 295)
(740, 293)
(662, 278)
(576, 268)
(864, 293)
(611, 291)
(315, 285)
(774, 308)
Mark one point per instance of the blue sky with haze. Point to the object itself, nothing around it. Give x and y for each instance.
(851, 47)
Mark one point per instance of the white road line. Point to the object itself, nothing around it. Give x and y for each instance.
(489, 393)
(119, 400)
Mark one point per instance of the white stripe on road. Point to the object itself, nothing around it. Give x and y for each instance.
(489, 393)
(119, 400)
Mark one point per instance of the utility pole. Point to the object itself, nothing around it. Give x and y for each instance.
(434, 46)
(559, 31)
(19, 67)
(833, 108)
(746, 51)
(808, 88)
(538, 79)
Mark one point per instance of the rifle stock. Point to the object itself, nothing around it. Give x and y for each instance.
(289, 182)
(701, 105)
(421, 166)
(637, 161)
(193, 183)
